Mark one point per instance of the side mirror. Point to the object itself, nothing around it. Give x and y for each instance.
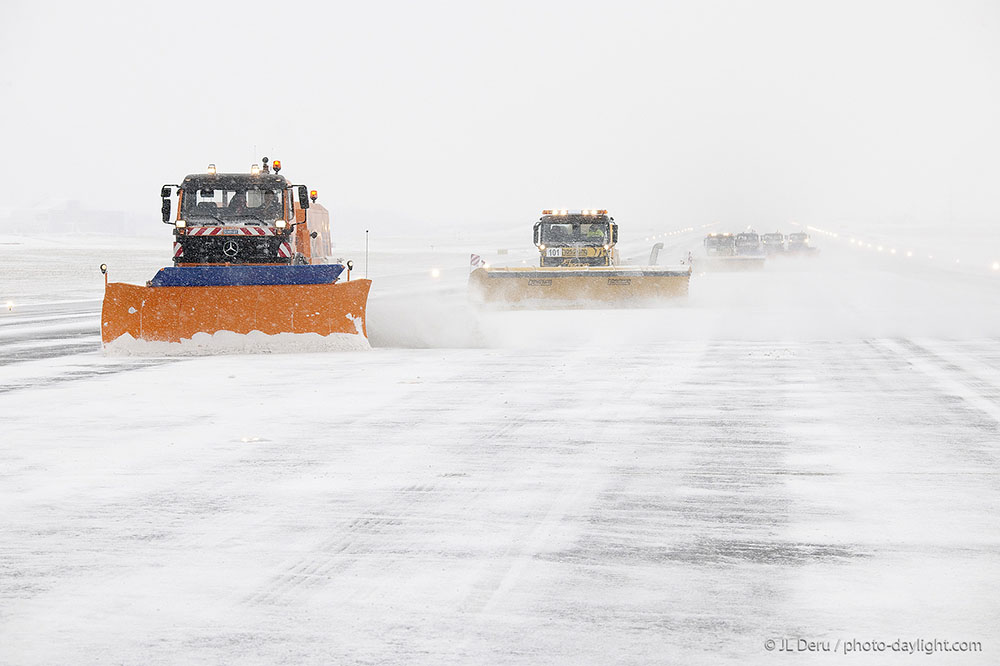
(165, 210)
(536, 234)
(614, 234)
(303, 197)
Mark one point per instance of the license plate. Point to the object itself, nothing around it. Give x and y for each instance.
(230, 232)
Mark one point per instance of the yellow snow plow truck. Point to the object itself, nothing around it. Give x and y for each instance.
(578, 267)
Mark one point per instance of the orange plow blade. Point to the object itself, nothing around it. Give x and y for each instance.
(173, 314)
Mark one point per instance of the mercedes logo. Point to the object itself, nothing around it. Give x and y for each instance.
(230, 248)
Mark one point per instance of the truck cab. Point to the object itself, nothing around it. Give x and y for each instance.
(774, 243)
(748, 244)
(235, 218)
(576, 238)
(799, 242)
(720, 245)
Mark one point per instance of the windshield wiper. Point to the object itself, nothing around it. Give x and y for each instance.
(204, 214)
(242, 218)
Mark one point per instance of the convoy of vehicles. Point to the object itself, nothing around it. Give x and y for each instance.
(748, 249)
(252, 256)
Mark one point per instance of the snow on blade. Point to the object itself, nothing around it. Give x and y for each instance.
(228, 342)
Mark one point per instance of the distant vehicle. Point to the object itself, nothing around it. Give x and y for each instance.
(748, 244)
(774, 243)
(798, 243)
(720, 245)
(723, 253)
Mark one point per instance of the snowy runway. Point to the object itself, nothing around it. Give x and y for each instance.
(513, 506)
(806, 452)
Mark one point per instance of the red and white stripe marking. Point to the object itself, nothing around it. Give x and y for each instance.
(178, 250)
(285, 250)
(232, 231)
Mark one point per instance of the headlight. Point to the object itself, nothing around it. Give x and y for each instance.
(281, 224)
(181, 224)
(542, 246)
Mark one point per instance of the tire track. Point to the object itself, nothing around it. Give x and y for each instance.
(351, 541)
(575, 492)
(366, 534)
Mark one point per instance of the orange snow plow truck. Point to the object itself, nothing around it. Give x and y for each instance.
(251, 267)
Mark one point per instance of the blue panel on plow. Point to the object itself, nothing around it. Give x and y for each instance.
(225, 276)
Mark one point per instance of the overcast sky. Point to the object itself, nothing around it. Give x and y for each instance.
(680, 112)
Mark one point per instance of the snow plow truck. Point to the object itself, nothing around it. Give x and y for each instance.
(578, 267)
(726, 252)
(773, 243)
(799, 243)
(251, 269)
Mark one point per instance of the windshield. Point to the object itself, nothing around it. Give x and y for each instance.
(233, 205)
(721, 241)
(574, 233)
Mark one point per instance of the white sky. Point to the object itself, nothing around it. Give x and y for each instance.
(436, 112)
